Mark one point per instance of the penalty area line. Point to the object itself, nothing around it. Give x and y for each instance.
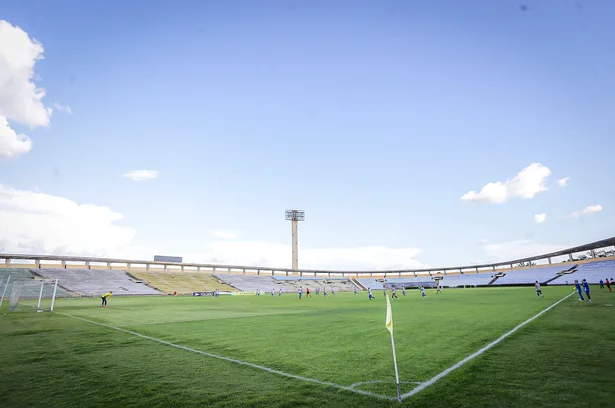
(232, 360)
(479, 352)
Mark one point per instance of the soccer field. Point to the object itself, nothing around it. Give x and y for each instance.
(239, 351)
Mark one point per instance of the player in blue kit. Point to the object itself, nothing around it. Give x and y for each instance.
(300, 292)
(324, 292)
(577, 286)
(586, 289)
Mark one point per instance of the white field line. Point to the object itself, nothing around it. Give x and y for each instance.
(479, 352)
(259, 367)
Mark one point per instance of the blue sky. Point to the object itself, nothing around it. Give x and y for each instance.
(375, 117)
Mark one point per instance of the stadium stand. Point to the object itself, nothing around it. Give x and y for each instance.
(593, 272)
(370, 283)
(251, 283)
(21, 274)
(527, 276)
(296, 278)
(424, 280)
(182, 282)
(94, 282)
(469, 279)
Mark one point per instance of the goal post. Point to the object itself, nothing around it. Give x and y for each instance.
(39, 294)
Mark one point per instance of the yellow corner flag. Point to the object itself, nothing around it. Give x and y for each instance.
(389, 322)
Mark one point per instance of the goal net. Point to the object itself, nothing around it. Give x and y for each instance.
(31, 294)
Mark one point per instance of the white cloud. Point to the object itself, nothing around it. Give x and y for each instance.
(511, 250)
(540, 218)
(141, 175)
(587, 210)
(34, 222)
(563, 182)
(20, 99)
(526, 184)
(63, 108)
(224, 234)
(279, 255)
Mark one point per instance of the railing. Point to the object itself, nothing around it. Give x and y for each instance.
(315, 272)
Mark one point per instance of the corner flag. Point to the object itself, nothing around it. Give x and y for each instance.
(389, 321)
(389, 326)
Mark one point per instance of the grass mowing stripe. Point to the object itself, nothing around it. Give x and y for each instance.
(267, 369)
(479, 352)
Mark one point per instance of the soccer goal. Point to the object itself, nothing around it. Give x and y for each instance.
(30, 294)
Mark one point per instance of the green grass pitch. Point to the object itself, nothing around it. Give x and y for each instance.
(565, 357)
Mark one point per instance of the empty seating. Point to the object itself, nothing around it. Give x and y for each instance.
(370, 283)
(251, 283)
(94, 282)
(182, 282)
(526, 276)
(24, 275)
(468, 279)
(592, 271)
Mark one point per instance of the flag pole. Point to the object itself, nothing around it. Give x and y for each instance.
(396, 372)
(389, 326)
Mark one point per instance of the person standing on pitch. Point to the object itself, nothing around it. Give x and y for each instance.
(355, 290)
(280, 292)
(577, 286)
(105, 297)
(307, 293)
(300, 292)
(438, 287)
(423, 292)
(324, 292)
(332, 291)
(403, 290)
(538, 290)
(394, 293)
(608, 284)
(369, 294)
(601, 284)
(272, 292)
(586, 289)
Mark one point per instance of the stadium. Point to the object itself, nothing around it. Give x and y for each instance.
(181, 334)
(455, 159)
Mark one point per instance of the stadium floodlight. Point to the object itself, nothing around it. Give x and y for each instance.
(294, 216)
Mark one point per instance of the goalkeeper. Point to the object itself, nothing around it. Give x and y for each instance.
(105, 297)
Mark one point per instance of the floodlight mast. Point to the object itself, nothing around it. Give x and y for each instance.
(295, 216)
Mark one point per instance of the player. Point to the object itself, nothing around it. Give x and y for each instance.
(324, 292)
(586, 289)
(403, 290)
(423, 292)
(438, 288)
(300, 292)
(394, 293)
(272, 292)
(175, 293)
(317, 291)
(369, 293)
(332, 291)
(105, 297)
(538, 290)
(307, 293)
(217, 292)
(355, 290)
(601, 284)
(280, 292)
(608, 284)
(577, 286)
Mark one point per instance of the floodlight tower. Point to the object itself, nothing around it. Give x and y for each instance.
(295, 216)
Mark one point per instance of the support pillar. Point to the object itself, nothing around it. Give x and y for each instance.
(570, 257)
(593, 252)
(198, 269)
(108, 265)
(165, 267)
(244, 271)
(295, 243)
(550, 261)
(87, 263)
(64, 264)
(147, 267)
(37, 263)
